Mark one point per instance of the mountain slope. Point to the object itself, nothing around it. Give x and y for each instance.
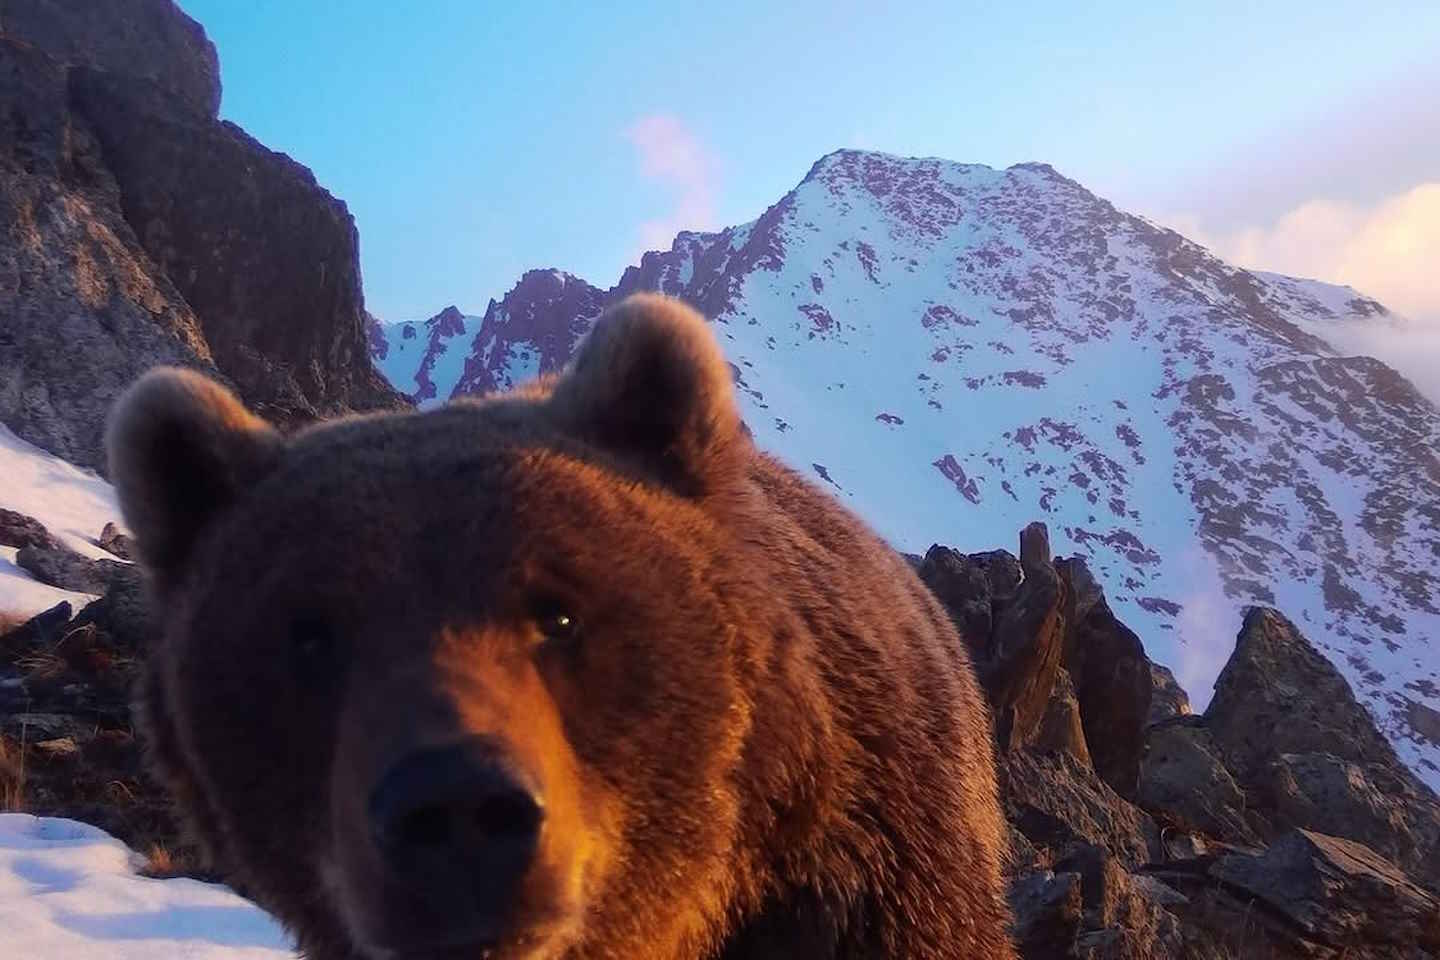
(956, 350)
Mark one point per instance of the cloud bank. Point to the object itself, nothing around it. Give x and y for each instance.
(1389, 250)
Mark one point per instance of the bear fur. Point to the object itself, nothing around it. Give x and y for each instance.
(757, 736)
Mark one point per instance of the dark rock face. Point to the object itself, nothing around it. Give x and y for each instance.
(1112, 679)
(146, 38)
(962, 586)
(136, 229)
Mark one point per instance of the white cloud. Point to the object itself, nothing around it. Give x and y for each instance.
(672, 155)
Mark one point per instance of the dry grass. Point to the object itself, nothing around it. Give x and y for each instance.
(12, 775)
(162, 863)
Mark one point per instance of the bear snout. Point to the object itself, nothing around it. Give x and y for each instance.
(458, 814)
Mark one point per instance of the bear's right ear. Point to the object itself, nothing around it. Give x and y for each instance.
(181, 448)
(650, 384)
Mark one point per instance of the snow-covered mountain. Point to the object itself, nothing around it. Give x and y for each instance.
(452, 355)
(956, 350)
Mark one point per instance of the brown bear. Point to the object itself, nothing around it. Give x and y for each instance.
(574, 671)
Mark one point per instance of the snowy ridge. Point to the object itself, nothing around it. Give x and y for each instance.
(423, 359)
(70, 890)
(72, 503)
(956, 350)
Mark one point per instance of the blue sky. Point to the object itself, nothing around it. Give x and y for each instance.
(472, 141)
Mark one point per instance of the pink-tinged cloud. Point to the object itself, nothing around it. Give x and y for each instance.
(1389, 250)
(672, 155)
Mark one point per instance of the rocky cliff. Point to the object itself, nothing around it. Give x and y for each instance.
(137, 228)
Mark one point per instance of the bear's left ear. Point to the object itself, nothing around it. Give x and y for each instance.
(181, 449)
(650, 384)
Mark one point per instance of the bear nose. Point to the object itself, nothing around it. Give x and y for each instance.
(458, 809)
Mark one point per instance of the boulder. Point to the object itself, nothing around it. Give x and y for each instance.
(40, 630)
(1183, 777)
(1277, 694)
(1339, 894)
(59, 566)
(1167, 698)
(112, 540)
(1364, 802)
(123, 612)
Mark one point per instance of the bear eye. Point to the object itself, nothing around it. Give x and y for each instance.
(555, 622)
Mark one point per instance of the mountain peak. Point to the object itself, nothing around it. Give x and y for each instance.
(954, 350)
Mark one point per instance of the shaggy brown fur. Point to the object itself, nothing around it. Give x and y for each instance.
(763, 739)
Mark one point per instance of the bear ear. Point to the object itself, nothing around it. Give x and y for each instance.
(651, 385)
(181, 448)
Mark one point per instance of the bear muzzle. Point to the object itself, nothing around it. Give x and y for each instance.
(461, 819)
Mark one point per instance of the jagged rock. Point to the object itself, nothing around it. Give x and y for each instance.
(1338, 893)
(115, 542)
(1277, 694)
(1112, 677)
(272, 271)
(1055, 801)
(1025, 648)
(1289, 728)
(1060, 728)
(1183, 776)
(19, 530)
(1167, 698)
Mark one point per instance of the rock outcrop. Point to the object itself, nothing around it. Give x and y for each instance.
(136, 228)
(1279, 824)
